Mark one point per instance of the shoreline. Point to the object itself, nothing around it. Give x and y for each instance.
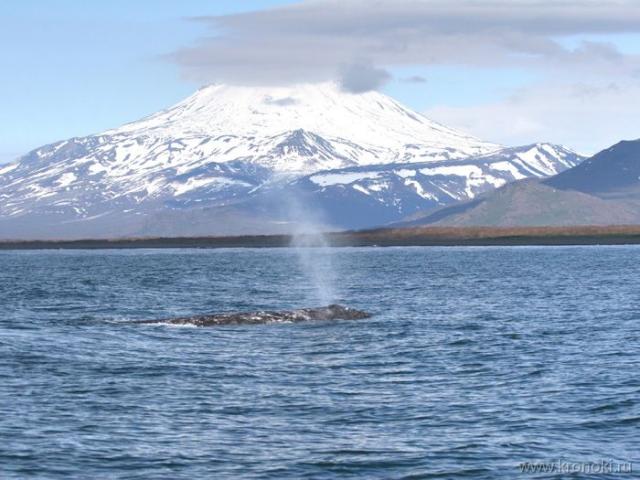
(401, 237)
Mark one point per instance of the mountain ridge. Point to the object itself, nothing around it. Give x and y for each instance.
(602, 190)
(224, 146)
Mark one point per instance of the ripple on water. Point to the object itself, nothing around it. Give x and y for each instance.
(477, 360)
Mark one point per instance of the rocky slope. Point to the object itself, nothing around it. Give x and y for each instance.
(603, 190)
(232, 160)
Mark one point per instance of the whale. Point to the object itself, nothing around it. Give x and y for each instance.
(328, 313)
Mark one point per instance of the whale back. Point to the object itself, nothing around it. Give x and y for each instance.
(328, 313)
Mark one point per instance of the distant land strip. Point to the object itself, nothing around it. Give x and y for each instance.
(396, 237)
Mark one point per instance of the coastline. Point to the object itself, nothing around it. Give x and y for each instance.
(419, 236)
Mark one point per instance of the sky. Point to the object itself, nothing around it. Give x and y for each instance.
(509, 71)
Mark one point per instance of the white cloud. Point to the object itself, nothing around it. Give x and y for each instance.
(314, 40)
(362, 76)
(586, 117)
(587, 100)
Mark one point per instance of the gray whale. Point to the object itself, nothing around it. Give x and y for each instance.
(332, 312)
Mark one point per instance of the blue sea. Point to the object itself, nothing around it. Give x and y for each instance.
(476, 361)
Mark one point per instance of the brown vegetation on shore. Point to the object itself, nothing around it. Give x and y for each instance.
(417, 236)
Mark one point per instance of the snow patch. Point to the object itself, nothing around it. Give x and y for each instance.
(419, 190)
(468, 171)
(8, 168)
(361, 189)
(508, 167)
(195, 183)
(405, 173)
(329, 179)
(66, 179)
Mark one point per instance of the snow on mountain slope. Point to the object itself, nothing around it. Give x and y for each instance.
(227, 145)
(371, 122)
(362, 197)
(272, 131)
(507, 165)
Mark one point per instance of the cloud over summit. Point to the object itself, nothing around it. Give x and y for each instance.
(357, 42)
(571, 51)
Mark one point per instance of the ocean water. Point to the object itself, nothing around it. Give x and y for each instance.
(476, 361)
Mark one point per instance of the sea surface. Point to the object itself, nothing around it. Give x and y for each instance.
(476, 360)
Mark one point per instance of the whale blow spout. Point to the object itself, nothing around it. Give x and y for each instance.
(332, 312)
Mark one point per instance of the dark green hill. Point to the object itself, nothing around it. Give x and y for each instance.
(603, 190)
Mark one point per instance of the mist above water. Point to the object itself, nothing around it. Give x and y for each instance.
(314, 253)
(316, 262)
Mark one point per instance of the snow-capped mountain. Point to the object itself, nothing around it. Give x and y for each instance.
(225, 148)
(602, 190)
(362, 197)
